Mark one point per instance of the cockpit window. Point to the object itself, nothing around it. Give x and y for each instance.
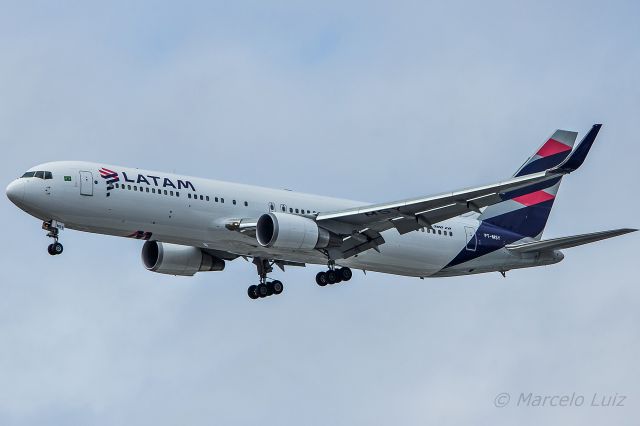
(39, 174)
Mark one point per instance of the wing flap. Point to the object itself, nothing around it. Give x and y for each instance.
(567, 242)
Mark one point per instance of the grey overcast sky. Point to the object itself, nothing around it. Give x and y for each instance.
(365, 100)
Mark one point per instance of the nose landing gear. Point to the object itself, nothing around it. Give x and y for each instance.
(55, 248)
(53, 229)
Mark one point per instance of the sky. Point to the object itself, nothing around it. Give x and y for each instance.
(373, 101)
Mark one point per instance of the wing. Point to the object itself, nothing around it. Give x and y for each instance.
(362, 225)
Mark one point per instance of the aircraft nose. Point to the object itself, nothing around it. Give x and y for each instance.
(15, 191)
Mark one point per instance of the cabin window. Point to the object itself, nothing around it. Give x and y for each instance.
(207, 198)
(189, 195)
(222, 200)
(439, 232)
(153, 190)
(201, 198)
(297, 211)
(246, 204)
(290, 209)
(450, 234)
(129, 187)
(234, 202)
(283, 207)
(165, 192)
(117, 185)
(171, 193)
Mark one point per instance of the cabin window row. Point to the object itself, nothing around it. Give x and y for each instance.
(216, 199)
(175, 193)
(445, 232)
(147, 189)
(283, 208)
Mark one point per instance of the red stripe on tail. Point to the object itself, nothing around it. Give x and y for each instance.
(534, 198)
(552, 147)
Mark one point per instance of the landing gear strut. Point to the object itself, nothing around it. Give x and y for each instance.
(264, 288)
(333, 275)
(53, 231)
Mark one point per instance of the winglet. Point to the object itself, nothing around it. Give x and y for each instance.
(577, 157)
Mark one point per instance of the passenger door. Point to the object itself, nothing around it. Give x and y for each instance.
(472, 239)
(86, 183)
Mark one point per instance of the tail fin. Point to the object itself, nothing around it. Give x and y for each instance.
(526, 211)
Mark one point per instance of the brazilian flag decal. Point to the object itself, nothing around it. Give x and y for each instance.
(67, 178)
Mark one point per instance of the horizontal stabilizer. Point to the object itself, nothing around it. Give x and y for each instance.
(567, 242)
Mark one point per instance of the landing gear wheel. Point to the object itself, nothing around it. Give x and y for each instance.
(345, 273)
(277, 287)
(253, 291)
(332, 277)
(270, 289)
(263, 290)
(321, 279)
(57, 248)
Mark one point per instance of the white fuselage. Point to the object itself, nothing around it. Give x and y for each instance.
(141, 205)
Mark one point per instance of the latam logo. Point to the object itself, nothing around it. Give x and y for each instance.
(112, 177)
(109, 175)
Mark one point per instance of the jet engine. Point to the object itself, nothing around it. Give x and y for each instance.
(173, 259)
(289, 231)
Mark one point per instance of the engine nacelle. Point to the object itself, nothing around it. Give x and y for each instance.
(289, 231)
(174, 259)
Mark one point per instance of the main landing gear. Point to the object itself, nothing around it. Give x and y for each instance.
(264, 288)
(53, 231)
(333, 275)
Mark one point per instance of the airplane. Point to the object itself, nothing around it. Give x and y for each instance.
(192, 225)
